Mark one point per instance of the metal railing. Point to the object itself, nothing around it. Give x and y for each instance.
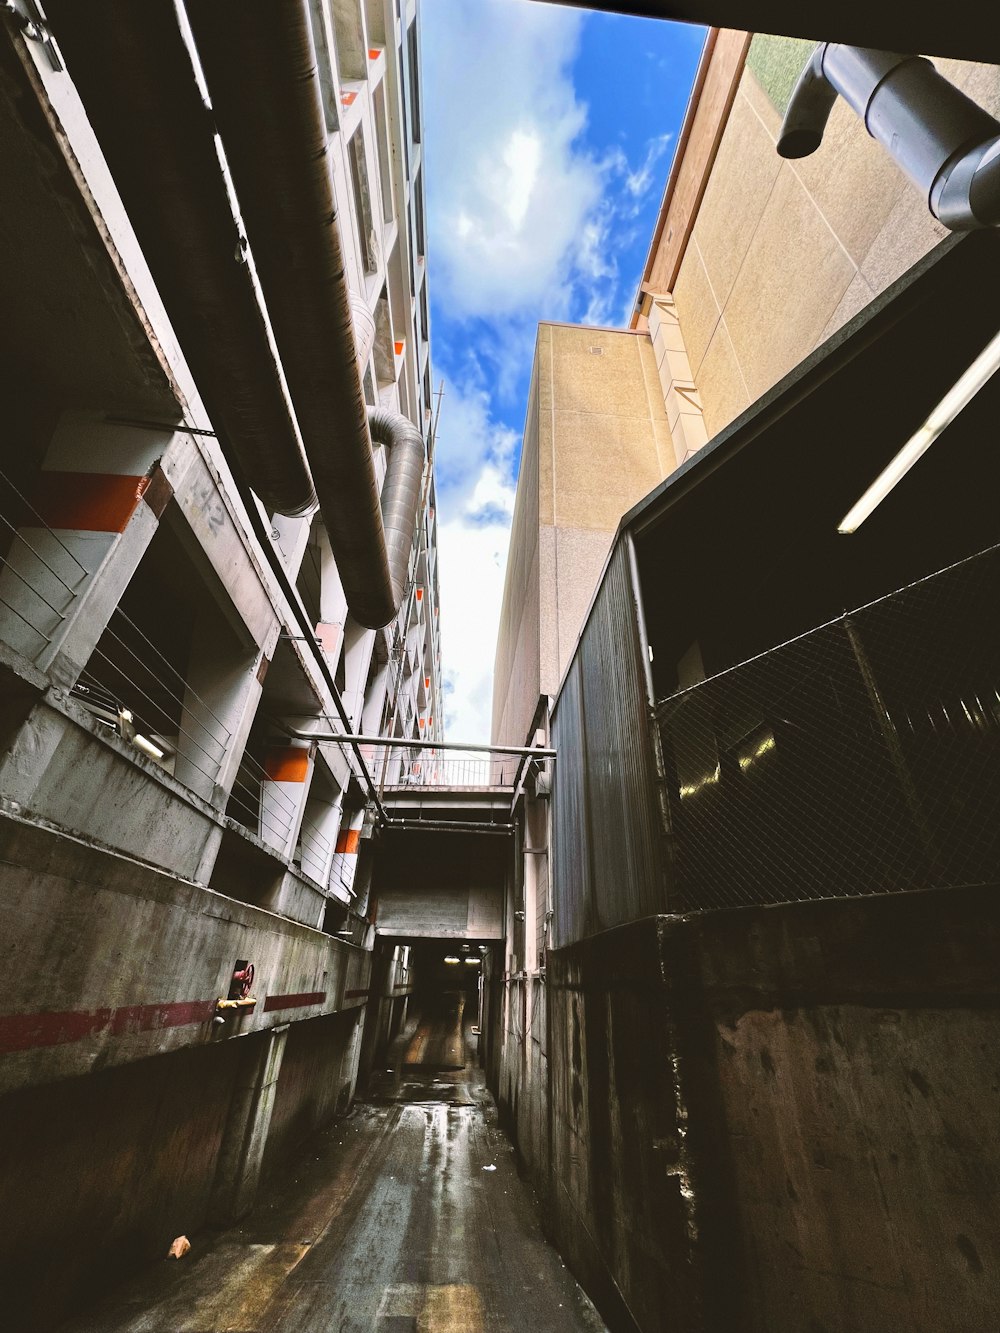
(434, 768)
(860, 758)
(40, 575)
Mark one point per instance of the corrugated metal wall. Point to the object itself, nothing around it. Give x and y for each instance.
(607, 865)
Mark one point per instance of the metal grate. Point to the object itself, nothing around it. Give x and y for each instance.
(861, 758)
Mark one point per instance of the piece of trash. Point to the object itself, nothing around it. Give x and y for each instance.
(179, 1248)
(491, 1167)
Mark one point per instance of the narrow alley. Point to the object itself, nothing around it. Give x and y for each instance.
(407, 1215)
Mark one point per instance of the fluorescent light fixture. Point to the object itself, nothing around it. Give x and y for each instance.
(147, 747)
(473, 961)
(960, 394)
(449, 959)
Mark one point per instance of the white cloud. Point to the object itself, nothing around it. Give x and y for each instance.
(475, 503)
(638, 182)
(509, 185)
(524, 225)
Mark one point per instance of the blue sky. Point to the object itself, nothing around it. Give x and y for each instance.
(548, 135)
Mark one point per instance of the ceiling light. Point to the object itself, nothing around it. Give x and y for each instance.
(450, 959)
(474, 961)
(147, 747)
(958, 396)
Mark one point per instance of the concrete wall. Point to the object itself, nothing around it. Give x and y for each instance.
(102, 1177)
(117, 961)
(596, 440)
(783, 253)
(445, 885)
(318, 1071)
(521, 1078)
(778, 1119)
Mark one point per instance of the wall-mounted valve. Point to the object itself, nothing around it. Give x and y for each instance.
(239, 997)
(946, 144)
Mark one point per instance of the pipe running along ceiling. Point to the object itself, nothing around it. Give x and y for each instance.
(135, 75)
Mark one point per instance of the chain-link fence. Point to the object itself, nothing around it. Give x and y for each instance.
(861, 758)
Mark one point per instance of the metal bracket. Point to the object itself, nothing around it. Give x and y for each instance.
(32, 23)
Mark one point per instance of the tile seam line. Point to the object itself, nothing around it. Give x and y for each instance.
(809, 194)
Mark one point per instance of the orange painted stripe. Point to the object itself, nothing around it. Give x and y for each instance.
(420, 594)
(328, 635)
(88, 501)
(348, 840)
(399, 347)
(374, 52)
(288, 765)
(348, 98)
(427, 682)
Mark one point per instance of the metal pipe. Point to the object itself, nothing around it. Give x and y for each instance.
(942, 140)
(135, 75)
(260, 65)
(448, 826)
(400, 490)
(398, 742)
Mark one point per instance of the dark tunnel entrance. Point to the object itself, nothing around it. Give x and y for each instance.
(425, 1041)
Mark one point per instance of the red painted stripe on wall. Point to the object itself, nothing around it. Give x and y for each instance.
(298, 1001)
(25, 1032)
(287, 765)
(348, 840)
(355, 994)
(88, 501)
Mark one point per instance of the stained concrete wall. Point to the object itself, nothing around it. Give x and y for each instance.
(316, 1082)
(445, 885)
(777, 1119)
(118, 961)
(784, 253)
(521, 1075)
(102, 1177)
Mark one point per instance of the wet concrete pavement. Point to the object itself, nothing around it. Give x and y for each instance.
(407, 1216)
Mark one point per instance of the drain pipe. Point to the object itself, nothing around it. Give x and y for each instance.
(401, 490)
(260, 65)
(946, 144)
(136, 78)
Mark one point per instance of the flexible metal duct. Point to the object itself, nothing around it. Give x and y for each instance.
(260, 65)
(134, 73)
(401, 490)
(947, 145)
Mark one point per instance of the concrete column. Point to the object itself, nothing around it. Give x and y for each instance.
(291, 541)
(319, 838)
(221, 692)
(238, 1171)
(345, 859)
(371, 713)
(359, 644)
(332, 603)
(288, 768)
(80, 534)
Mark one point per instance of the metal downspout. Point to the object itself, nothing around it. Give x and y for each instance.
(260, 64)
(401, 490)
(942, 140)
(136, 78)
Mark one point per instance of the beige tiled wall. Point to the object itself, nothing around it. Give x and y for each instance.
(596, 440)
(784, 253)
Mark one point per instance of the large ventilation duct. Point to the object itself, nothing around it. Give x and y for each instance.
(136, 78)
(946, 144)
(404, 476)
(260, 65)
